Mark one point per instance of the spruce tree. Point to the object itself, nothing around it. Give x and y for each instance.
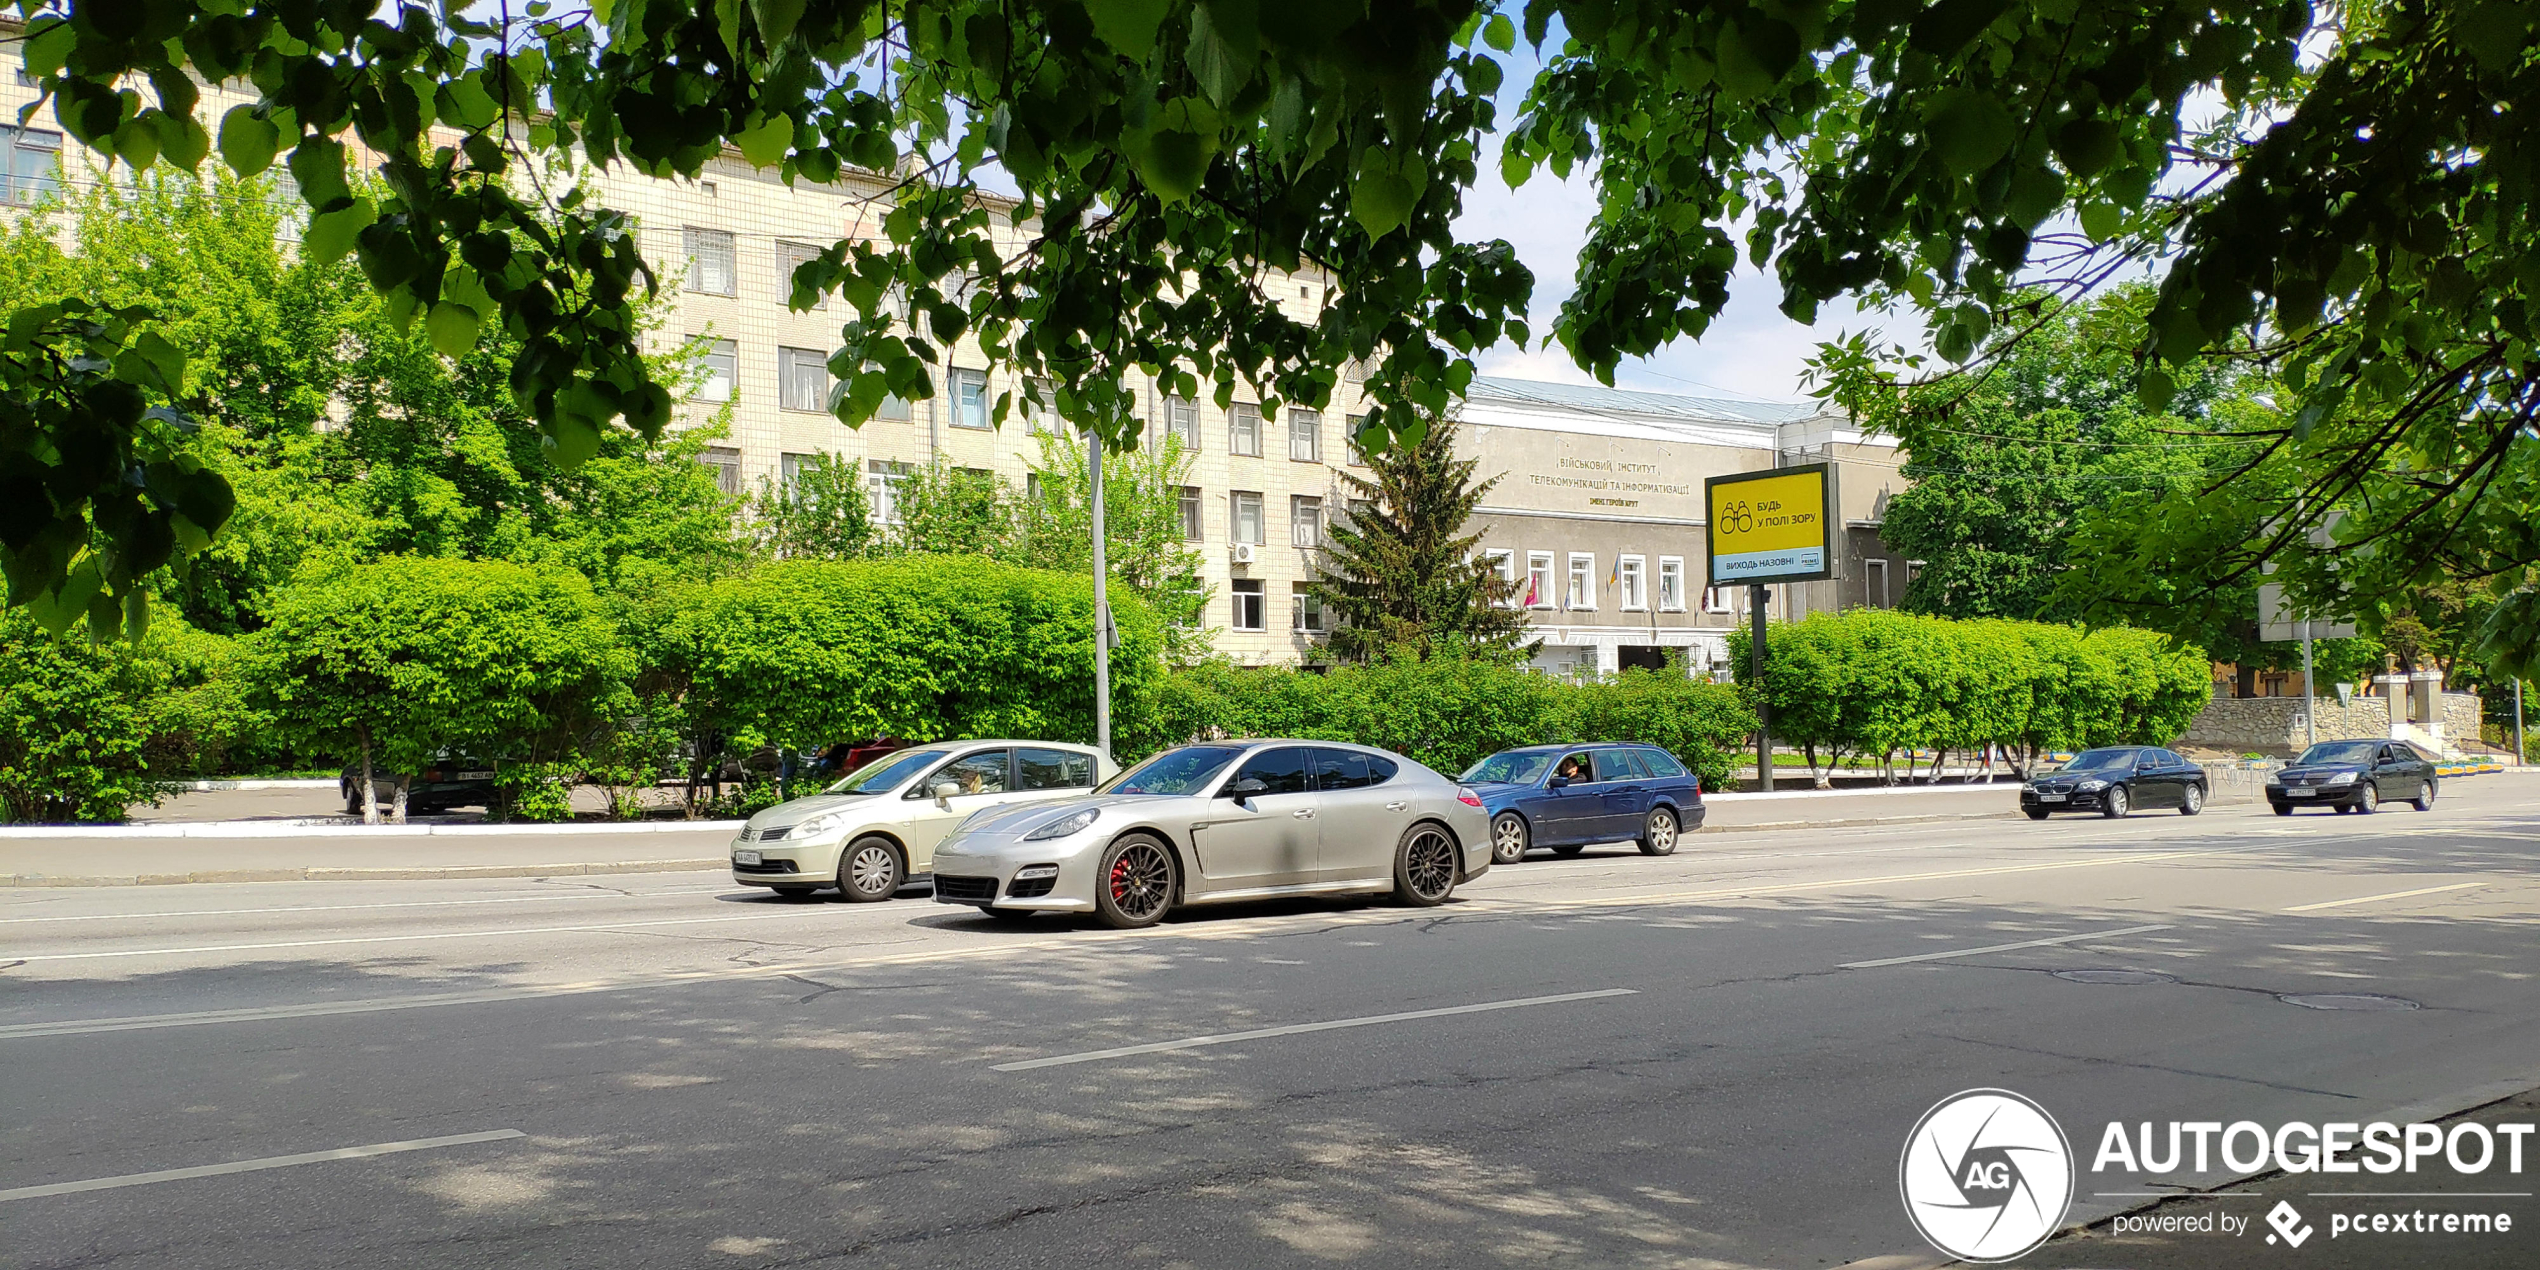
(1401, 575)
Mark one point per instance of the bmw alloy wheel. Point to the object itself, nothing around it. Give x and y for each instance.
(869, 870)
(2114, 807)
(2194, 802)
(1659, 836)
(1508, 838)
(1137, 883)
(1424, 866)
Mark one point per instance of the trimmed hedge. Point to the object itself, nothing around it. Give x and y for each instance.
(1879, 682)
(1446, 714)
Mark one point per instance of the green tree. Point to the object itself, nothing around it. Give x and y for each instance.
(86, 731)
(821, 514)
(391, 663)
(1144, 542)
(1402, 575)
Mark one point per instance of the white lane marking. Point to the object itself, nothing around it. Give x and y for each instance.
(1293, 1029)
(347, 908)
(387, 939)
(1995, 948)
(252, 1166)
(2386, 895)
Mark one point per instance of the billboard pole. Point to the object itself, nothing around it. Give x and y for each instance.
(1755, 597)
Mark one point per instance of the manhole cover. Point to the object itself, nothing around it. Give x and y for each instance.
(2346, 1001)
(2114, 976)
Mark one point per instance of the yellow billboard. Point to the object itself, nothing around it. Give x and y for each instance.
(1771, 526)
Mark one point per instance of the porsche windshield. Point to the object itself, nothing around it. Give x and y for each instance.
(1174, 773)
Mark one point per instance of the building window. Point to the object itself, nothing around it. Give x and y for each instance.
(1503, 564)
(893, 408)
(790, 467)
(1357, 457)
(1305, 521)
(1633, 573)
(882, 489)
(793, 256)
(1539, 580)
(970, 398)
(1248, 604)
(1874, 580)
(1582, 580)
(722, 364)
(1671, 584)
(1716, 599)
(1308, 608)
(726, 463)
(1192, 530)
(1305, 436)
(1243, 429)
(1245, 509)
(27, 156)
(802, 380)
(711, 270)
(1181, 418)
(1042, 415)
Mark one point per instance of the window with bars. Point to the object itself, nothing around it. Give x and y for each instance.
(1305, 521)
(792, 256)
(1305, 436)
(713, 266)
(1243, 429)
(1192, 530)
(722, 363)
(970, 398)
(802, 380)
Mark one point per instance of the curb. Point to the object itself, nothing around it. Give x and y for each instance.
(351, 829)
(717, 863)
(1875, 791)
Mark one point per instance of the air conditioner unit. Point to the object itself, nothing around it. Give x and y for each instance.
(1243, 553)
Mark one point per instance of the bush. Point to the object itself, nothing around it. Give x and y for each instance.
(85, 731)
(390, 663)
(1446, 714)
(1878, 682)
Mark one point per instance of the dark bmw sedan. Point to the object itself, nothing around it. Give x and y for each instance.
(1567, 797)
(2355, 776)
(2117, 780)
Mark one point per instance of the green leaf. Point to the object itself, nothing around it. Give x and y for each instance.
(49, 43)
(1500, 33)
(1128, 26)
(1220, 62)
(330, 234)
(765, 143)
(573, 441)
(2101, 221)
(2035, 194)
(183, 142)
(452, 328)
(1970, 130)
(1948, 26)
(776, 19)
(2155, 388)
(1380, 199)
(2086, 145)
(1754, 55)
(165, 358)
(464, 103)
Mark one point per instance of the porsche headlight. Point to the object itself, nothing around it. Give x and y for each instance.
(1064, 825)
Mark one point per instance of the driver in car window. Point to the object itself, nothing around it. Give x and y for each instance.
(1573, 769)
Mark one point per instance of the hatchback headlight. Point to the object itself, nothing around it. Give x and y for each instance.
(2342, 778)
(817, 825)
(1064, 826)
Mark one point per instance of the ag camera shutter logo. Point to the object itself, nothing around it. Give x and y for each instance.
(1986, 1175)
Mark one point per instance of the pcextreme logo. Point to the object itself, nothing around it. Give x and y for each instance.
(1986, 1175)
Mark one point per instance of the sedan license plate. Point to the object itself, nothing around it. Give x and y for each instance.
(474, 776)
(2300, 793)
(745, 857)
(2050, 798)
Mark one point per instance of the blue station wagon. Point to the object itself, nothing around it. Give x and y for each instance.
(1566, 797)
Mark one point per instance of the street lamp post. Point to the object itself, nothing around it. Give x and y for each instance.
(1102, 603)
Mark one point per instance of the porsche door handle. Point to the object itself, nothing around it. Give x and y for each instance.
(1305, 814)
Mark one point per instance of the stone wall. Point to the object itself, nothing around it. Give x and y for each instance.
(2273, 725)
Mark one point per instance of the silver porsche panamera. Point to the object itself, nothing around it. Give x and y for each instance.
(1235, 820)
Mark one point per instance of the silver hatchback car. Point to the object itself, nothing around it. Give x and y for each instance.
(1235, 820)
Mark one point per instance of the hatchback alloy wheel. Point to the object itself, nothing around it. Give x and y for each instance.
(869, 871)
(1424, 866)
(1659, 838)
(1508, 838)
(1137, 883)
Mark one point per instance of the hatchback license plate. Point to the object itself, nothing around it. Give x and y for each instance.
(2050, 798)
(745, 857)
(2300, 793)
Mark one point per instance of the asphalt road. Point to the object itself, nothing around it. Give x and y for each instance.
(687, 1074)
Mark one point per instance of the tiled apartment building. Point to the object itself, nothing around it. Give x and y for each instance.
(1598, 505)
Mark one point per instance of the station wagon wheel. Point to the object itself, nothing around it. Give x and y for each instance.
(2194, 802)
(1659, 837)
(1424, 866)
(1508, 838)
(2424, 801)
(1135, 887)
(869, 871)
(2115, 807)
